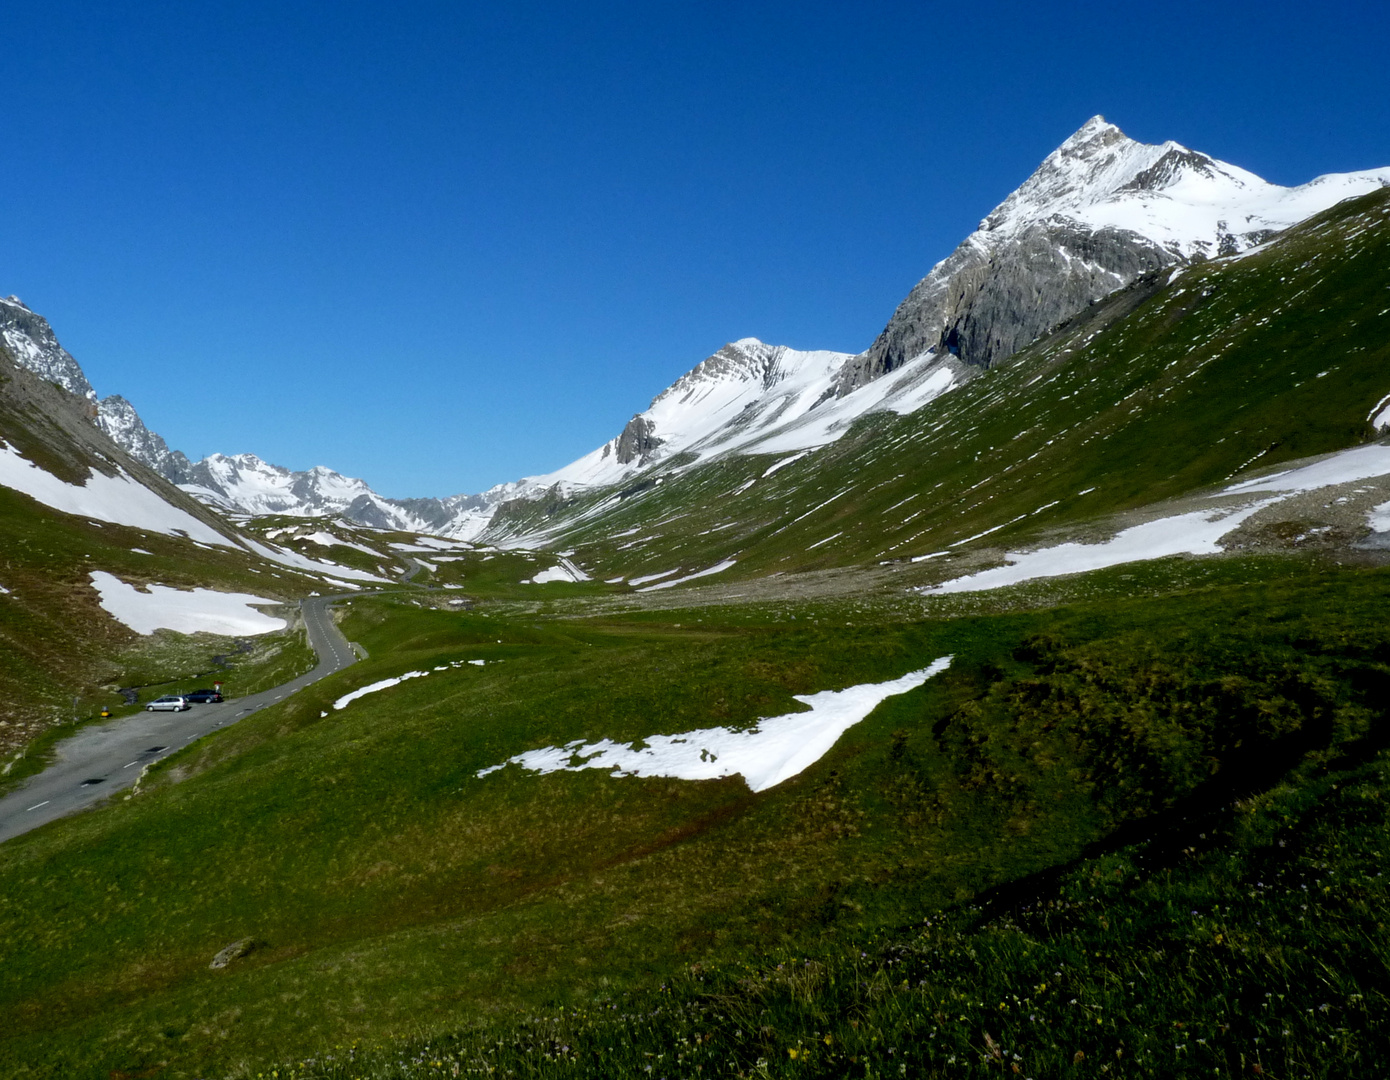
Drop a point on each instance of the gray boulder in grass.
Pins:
(234, 951)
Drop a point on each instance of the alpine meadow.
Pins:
(1008, 698)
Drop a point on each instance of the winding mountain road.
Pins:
(105, 758)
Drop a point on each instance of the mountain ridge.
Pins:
(1099, 212)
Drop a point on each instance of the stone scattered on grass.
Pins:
(235, 951)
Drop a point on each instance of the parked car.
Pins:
(203, 697)
(169, 703)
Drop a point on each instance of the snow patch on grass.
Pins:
(386, 684)
(186, 611)
(1360, 463)
(1197, 533)
(776, 749)
(321, 567)
(372, 688)
(720, 568)
(564, 570)
(117, 499)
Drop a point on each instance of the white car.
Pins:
(169, 703)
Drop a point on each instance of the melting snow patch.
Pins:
(720, 568)
(1359, 464)
(385, 684)
(775, 749)
(783, 463)
(1197, 533)
(327, 539)
(427, 544)
(654, 577)
(188, 612)
(117, 499)
(296, 561)
(562, 571)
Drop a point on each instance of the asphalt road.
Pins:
(102, 759)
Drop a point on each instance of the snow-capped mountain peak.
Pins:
(1100, 211)
(748, 398)
(1185, 201)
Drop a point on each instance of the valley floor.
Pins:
(1098, 763)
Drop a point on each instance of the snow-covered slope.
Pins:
(749, 397)
(244, 484)
(1186, 202)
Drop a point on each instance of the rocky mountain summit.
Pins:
(118, 418)
(30, 340)
(1101, 210)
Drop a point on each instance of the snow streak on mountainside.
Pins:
(1100, 210)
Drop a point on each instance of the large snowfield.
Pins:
(116, 499)
(1196, 533)
(776, 749)
(186, 611)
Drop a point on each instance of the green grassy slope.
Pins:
(389, 890)
(1247, 941)
(1159, 390)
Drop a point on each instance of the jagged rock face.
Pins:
(637, 441)
(118, 418)
(30, 340)
(983, 307)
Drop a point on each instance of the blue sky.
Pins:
(444, 245)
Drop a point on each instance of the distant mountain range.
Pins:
(1098, 213)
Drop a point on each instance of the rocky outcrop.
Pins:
(118, 418)
(983, 306)
(235, 951)
(30, 341)
(637, 441)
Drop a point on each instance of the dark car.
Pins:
(203, 697)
